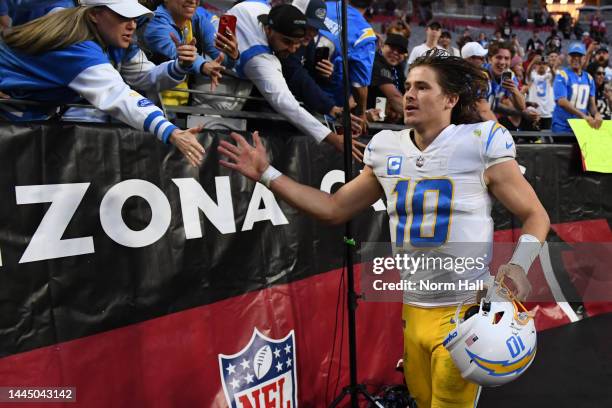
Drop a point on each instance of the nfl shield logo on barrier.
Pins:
(262, 374)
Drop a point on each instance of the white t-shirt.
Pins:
(419, 51)
(453, 51)
(541, 92)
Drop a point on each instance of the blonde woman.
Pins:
(87, 52)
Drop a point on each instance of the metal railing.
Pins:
(543, 135)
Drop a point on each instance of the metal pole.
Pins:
(348, 171)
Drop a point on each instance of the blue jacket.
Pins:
(158, 41)
(85, 70)
(361, 49)
(25, 13)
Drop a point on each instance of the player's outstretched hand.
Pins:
(186, 142)
(250, 161)
(520, 285)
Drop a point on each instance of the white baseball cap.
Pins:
(125, 8)
(473, 49)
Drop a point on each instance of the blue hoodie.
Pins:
(157, 37)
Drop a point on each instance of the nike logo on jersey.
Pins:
(509, 145)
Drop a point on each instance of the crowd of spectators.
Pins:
(289, 53)
(533, 85)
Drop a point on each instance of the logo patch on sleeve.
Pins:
(144, 102)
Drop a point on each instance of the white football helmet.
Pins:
(496, 344)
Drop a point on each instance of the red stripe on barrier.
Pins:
(172, 361)
(549, 315)
(588, 231)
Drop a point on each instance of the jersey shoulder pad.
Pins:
(381, 144)
(497, 141)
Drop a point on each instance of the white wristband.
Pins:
(526, 251)
(269, 175)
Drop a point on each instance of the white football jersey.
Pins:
(437, 201)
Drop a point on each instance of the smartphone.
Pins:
(226, 22)
(186, 36)
(381, 105)
(506, 75)
(321, 53)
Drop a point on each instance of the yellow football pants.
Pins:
(431, 376)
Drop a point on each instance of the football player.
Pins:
(437, 176)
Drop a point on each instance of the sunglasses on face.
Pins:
(600, 73)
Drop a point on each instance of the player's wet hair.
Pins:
(457, 76)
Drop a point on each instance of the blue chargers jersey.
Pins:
(496, 92)
(577, 89)
(361, 49)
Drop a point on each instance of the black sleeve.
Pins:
(381, 74)
(304, 87)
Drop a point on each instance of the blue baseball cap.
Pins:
(577, 48)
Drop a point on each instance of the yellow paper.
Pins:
(595, 145)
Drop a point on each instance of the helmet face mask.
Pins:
(496, 344)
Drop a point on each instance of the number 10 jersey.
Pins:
(438, 203)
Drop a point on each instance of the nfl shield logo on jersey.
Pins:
(262, 374)
(394, 165)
